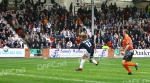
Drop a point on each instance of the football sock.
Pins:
(127, 68)
(82, 63)
(130, 64)
(95, 62)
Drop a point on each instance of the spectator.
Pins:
(63, 43)
(99, 39)
(22, 6)
(103, 6)
(58, 45)
(55, 28)
(47, 46)
(108, 15)
(71, 7)
(69, 44)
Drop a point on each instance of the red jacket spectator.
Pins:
(52, 39)
(31, 25)
(109, 43)
(78, 40)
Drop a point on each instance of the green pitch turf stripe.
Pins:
(58, 78)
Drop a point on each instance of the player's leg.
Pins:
(126, 67)
(126, 62)
(130, 55)
(82, 62)
(91, 59)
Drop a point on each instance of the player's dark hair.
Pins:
(126, 31)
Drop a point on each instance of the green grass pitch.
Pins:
(55, 70)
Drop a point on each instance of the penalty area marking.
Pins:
(57, 78)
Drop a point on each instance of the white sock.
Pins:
(95, 62)
(82, 63)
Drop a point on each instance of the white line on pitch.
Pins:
(58, 78)
(143, 72)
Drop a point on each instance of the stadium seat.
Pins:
(20, 32)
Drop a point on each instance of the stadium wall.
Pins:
(68, 53)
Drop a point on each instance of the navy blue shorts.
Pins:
(128, 55)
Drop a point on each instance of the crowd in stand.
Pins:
(7, 38)
(63, 27)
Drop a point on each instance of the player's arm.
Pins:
(127, 45)
(80, 46)
(94, 45)
(126, 48)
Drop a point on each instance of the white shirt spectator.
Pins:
(102, 32)
(38, 29)
(43, 36)
(13, 38)
(58, 46)
(148, 37)
(123, 22)
(138, 13)
(130, 20)
(69, 44)
(116, 35)
(133, 22)
(49, 25)
(67, 34)
(94, 18)
(139, 22)
(104, 27)
(95, 26)
(21, 43)
(15, 21)
(143, 20)
(34, 29)
(76, 25)
(63, 32)
(119, 24)
(13, 15)
(1, 20)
